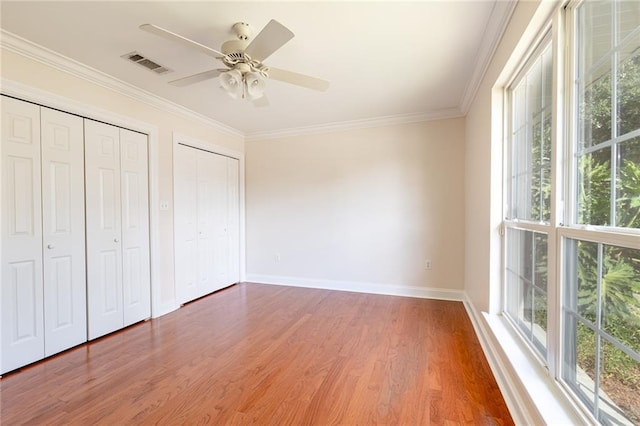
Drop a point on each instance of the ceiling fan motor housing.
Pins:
(243, 32)
(234, 46)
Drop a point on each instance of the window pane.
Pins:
(628, 17)
(628, 184)
(530, 142)
(545, 179)
(608, 61)
(602, 329)
(547, 79)
(594, 35)
(526, 283)
(621, 295)
(585, 376)
(536, 171)
(540, 319)
(628, 86)
(540, 259)
(594, 99)
(594, 180)
(534, 90)
(587, 280)
(620, 386)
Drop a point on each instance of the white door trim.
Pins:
(179, 138)
(51, 100)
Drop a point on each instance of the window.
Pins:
(601, 302)
(584, 248)
(529, 198)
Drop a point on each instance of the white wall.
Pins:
(20, 69)
(358, 207)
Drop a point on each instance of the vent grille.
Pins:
(146, 62)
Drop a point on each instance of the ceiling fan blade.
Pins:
(166, 34)
(272, 37)
(261, 102)
(298, 79)
(196, 78)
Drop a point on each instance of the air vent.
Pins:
(146, 62)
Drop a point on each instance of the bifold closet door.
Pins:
(136, 279)
(104, 249)
(43, 307)
(117, 215)
(207, 238)
(226, 252)
(65, 300)
(185, 223)
(233, 221)
(22, 289)
(206, 207)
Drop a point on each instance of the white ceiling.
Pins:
(384, 59)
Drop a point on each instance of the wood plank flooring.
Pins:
(259, 354)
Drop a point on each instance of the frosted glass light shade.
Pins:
(255, 85)
(231, 82)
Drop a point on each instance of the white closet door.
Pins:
(65, 303)
(220, 220)
(22, 294)
(206, 166)
(233, 220)
(135, 227)
(104, 252)
(206, 215)
(185, 223)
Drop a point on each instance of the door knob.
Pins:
(50, 246)
(115, 240)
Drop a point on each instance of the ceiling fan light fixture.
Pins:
(255, 85)
(232, 82)
(247, 75)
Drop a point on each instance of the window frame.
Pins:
(563, 225)
(571, 229)
(544, 40)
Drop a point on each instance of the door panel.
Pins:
(185, 223)
(22, 331)
(135, 227)
(233, 218)
(104, 247)
(219, 212)
(23, 290)
(206, 223)
(65, 301)
(60, 282)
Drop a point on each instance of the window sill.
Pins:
(533, 397)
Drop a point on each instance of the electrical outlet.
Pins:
(427, 264)
(164, 205)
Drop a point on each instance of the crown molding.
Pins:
(497, 25)
(355, 124)
(28, 49)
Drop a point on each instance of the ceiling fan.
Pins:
(245, 74)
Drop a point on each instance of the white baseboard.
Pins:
(359, 287)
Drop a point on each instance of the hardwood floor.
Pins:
(258, 354)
